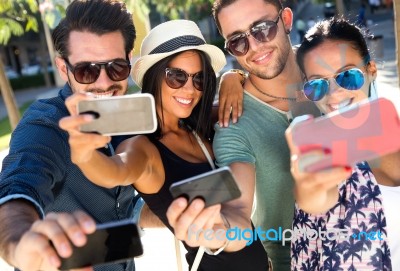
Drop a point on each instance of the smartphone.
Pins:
(111, 242)
(216, 186)
(120, 115)
(363, 131)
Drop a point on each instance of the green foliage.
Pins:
(29, 81)
(9, 27)
(52, 11)
(17, 16)
(178, 9)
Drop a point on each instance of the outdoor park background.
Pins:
(159, 242)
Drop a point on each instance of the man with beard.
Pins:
(255, 147)
(41, 190)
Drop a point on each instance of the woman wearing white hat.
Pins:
(178, 68)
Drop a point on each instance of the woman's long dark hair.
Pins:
(200, 118)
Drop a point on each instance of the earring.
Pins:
(288, 31)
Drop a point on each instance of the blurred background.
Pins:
(27, 70)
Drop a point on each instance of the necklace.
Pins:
(270, 95)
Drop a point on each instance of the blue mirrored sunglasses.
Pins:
(316, 89)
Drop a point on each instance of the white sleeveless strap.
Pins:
(204, 149)
(200, 252)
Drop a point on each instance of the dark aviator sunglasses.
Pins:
(177, 78)
(238, 45)
(351, 79)
(89, 72)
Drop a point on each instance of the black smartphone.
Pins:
(120, 115)
(216, 186)
(111, 242)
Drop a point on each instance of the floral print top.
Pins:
(350, 236)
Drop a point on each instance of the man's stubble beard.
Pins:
(280, 65)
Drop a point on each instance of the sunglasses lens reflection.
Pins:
(263, 32)
(87, 73)
(316, 89)
(177, 78)
(352, 79)
(239, 46)
(198, 81)
(118, 70)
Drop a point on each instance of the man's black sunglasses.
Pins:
(88, 72)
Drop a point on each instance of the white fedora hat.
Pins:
(172, 37)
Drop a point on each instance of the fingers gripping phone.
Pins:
(120, 115)
(364, 131)
(216, 186)
(111, 242)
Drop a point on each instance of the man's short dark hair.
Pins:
(221, 4)
(94, 16)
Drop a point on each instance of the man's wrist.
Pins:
(241, 73)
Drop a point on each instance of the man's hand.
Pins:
(83, 145)
(230, 98)
(41, 247)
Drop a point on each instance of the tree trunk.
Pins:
(340, 7)
(396, 10)
(43, 62)
(57, 78)
(8, 97)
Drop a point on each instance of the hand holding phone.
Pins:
(120, 115)
(111, 242)
(363, 131)
(216, 186)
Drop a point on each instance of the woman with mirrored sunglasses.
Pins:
(179, 69)
(339, 72)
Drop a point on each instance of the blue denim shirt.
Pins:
(38, 168)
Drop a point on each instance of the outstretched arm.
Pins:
(25, 239)
(315, 192)
(97, 167)
(199, 226)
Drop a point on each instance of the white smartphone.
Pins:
(115, 241)
(120, 115)
(216, 186)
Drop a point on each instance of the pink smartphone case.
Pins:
(364, 131)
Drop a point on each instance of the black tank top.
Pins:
(252, 257)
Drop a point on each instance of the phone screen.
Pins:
(111, 242)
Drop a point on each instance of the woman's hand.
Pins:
(83, 145)
(195, 224)
(315, 192)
